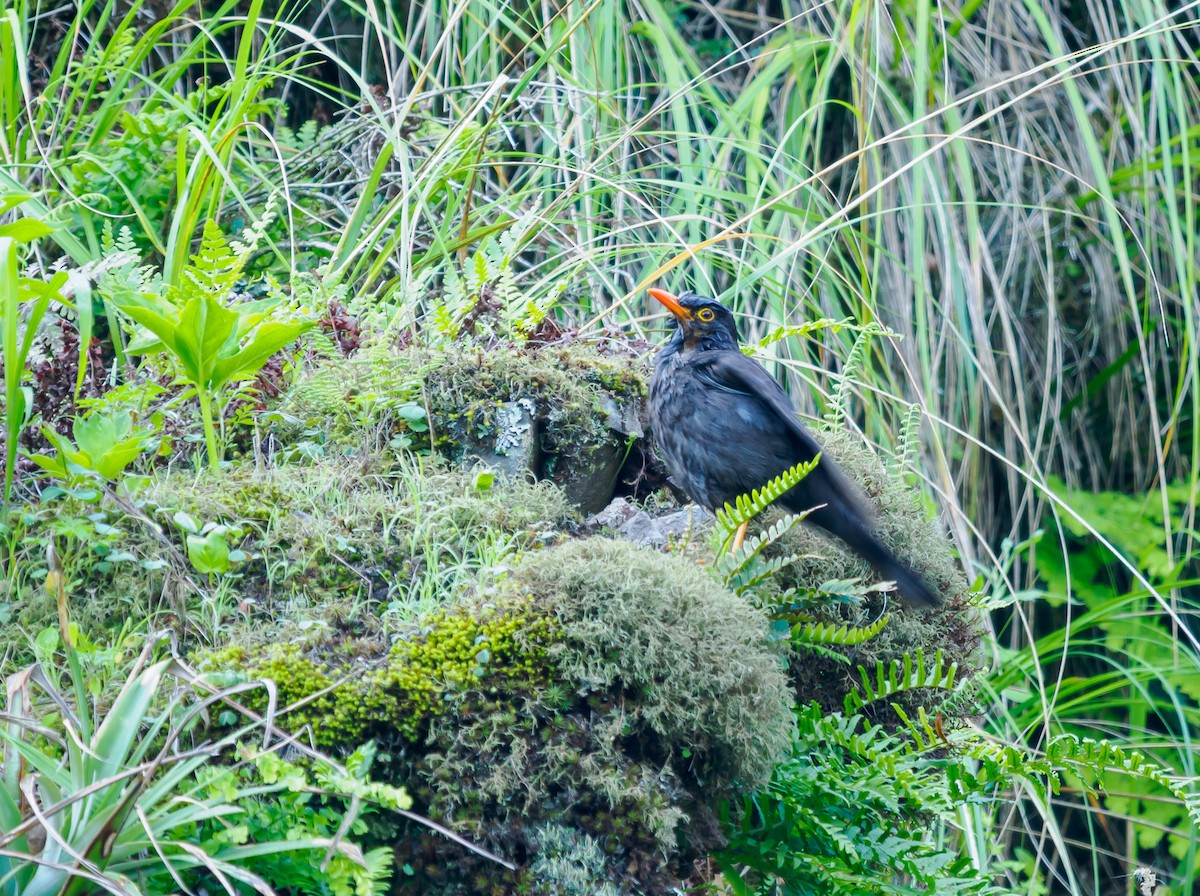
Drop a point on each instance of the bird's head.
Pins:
(704, 323)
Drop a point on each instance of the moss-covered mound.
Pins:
(583, 720)
(344, 543)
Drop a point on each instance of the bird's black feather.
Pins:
(724, 427)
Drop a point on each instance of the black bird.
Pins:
(725, 427)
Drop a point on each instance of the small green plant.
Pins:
(101, 793)
(208, 545)
(849, 813)
(105, 445)
(212, 344)
(747, 570)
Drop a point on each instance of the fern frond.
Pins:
(805, 329)
(215, 268)
(256, 232)
(906, 449)
(906, 674)
(923, 732)
(1083, 754)
(840, 401)
(842, 635)
(742, 569)
(746, 507)
(872, 746)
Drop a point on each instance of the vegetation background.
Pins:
(967, 230)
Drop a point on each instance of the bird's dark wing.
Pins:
(732, 371)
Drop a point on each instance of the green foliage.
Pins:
(731, 516)
(617, 151)
(910, 672)
(303, 803)
(850, 813)
(23, 303)
(105, 445)
(1139, 527)
(212, 344)
(112, 787)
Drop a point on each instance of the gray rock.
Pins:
(588, 473)
(618, 511)
(589, 476)
(513, 450)
(623, 416)
(656, 532)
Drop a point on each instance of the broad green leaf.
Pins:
(186, 522)
(10, 199)
(264, 342)
(205, 327)
(209, 553)
(158, 323)
(25, 230)
(114, 461)
(97, 433)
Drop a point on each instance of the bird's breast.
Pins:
(716, 443)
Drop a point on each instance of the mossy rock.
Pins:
(568, 414)
(338, 544)
(600, 701)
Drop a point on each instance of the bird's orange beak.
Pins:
(671, 303)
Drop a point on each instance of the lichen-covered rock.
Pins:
(512, 449)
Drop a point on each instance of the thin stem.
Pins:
(210, 433)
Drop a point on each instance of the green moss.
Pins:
(489, 646)
(601, 690)
(693, 661)
(339, 543)
(344, 694)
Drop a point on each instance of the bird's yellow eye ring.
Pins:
(705, 315)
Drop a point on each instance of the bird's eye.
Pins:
(705, 315)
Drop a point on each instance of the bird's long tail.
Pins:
(912, 587)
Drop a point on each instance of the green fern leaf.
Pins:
(909, 673)
(746, 507)
(841, 635)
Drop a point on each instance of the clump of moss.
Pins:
(905, 527)
(344, 695)
(692, 659)
(567, 386)
(573, 394)
(668, 696)
(339, 540)
(502, 646)
(329, 703)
